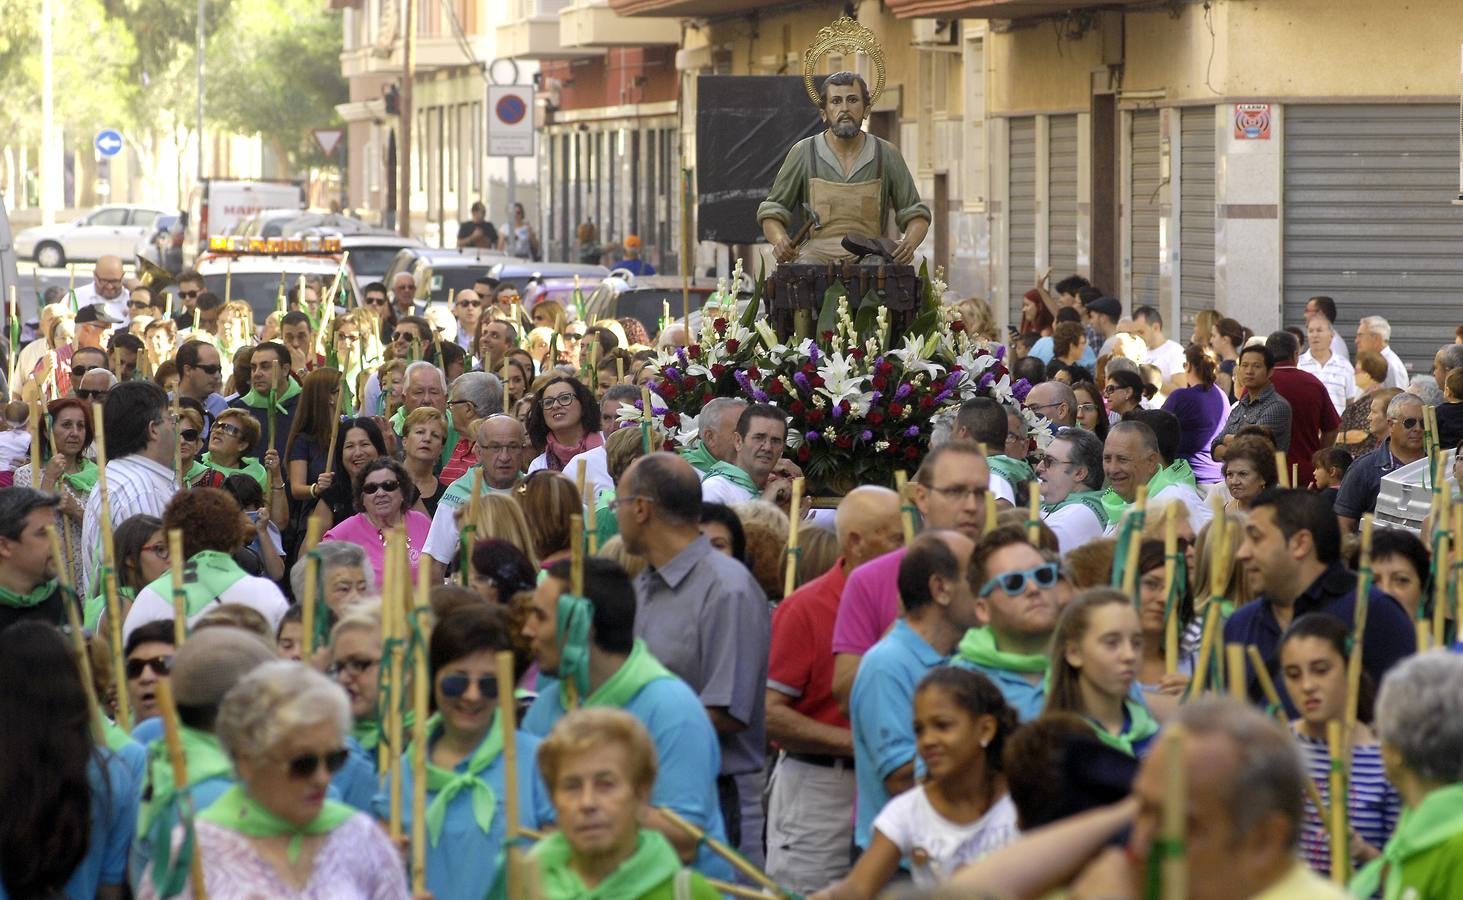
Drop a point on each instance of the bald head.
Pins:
(1055, 400)
(868, 524)
(669, 483)
(108, 277)
(499, 439)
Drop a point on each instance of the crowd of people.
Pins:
(946, 695)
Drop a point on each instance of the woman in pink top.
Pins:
(384, 496)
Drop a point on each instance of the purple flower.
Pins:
(759, 395)
(812, 437)
(801, 381)
(875, 397)
(866, 436)
(681, 355)
(1020, 389)
(952, 381)
(673, 373)
(813, 354)
(986, 381)
(1000, 351)
(743, 380)
(942, 396)
(912, 431)
(904, 391)
(837, 411)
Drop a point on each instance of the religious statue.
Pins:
(851, 182)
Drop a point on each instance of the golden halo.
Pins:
(846, 36)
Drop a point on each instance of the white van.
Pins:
(218, 204)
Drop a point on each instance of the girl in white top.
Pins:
(962, 810)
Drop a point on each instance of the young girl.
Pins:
(1096, 650)
(1160, 689)
(1313, 664)
(962, 811)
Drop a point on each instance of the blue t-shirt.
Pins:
(1026, 697)
(1044, 351)
(114, 797)
(356, 781)
(635, 266)
(686, 748)
(881, 710)
(464, 861)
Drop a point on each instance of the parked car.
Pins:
(645, 298)
(113, 230)
(266, 223)
(441, 273)
(256, 278)
(372, 253)
(520, 273)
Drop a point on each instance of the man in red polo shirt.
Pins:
(1313, 417)
(810, 811)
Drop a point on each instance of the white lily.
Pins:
(840, 382)
(915, 355)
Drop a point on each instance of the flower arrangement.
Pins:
(860, 405)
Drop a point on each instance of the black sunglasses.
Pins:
(186, 294)
(78, 371)
(187, 434)
(91, 394)
(373, 487)
(305, 765)
(454, 686)
(211, 370)
(376, 301)
(407, 336)
(160, 665)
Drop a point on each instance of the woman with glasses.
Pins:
(141, 550)
(466, 786)
(68, 473)
(190, 444)
(274, 833)
(1091, 410)
(355, 664)
(1096, 650)
(384, 496)
(232, 434)
(1124, 391)
(422, 436)
(356, 345)
(565, 420)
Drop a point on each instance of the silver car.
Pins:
(109, 230)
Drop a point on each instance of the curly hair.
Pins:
(765, 527)
(408, 488)
(56, 407)
(538, 426)
(209, 518)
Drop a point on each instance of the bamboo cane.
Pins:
(273, 400)
(990, 513)
(906, 511)
(507, 717)
(389, 633)
(14, 351)
(619, 370)
(1170, 572)
(1358, 630)
(1234, 670)
(311, 591)
(229, 280)
(396, 552)
(109, 561)
(1174, 867)
(576, 555)
(335, 424)
(1135, 541)
(1033, 513)
(790, 578)
(78, 640)
(421, 683)
(1282, 469)
(180, 599)
(36, 411)
(1272, 696)
(722, 850)
(686, 262)
(106, 517)
(179, 763)
(1443, 570)
(177, 440)
(114, 636)
(1340, 858)
(71, 280)
(1206, 649)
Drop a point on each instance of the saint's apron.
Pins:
(843, 208)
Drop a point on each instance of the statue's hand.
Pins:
(784, 250)
(904, 252)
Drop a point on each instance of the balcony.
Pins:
(593, 23)
(688, 9)
(532, 32)
(995, 9)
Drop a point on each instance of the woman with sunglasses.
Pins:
(232, 434)
(384, 496)
(141, 550)
(68, 473)
(190, 444)
(275, 833)
(1124, 391)
(465, 758)
(1096, 650)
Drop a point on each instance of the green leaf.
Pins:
(828, 315)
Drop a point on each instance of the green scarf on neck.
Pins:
(639, 669)
(82, 482)
(736, 475)
(91, 611)
(248, 465)
(367, 732)
(206, 759)
(1141, 725)
(205, 577)
(447, 784)
(1166, 477)
(261, 401)
(36, 597)
(653, 863)
(1016, 471)
(237, 811)
(1093, 500)
(1437, 819)
(700, 458)
(979, 647)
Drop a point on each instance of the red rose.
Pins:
(668, 390)
(886, 367)
(896, 409)
(815, 416)
(694, 350)
(843, 441)
(707, 397)
(732, 345)
(880, 382)
(911, 452)
(875, 417)
(719, 324)
(957, 326)
(857, 353)
(775, 387)
(927, 402)
(672, 420)
(717, 370)
(827, 336)
(804, 453)
(753, 374)
(816, 381)
(796, 408)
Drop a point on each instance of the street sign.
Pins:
(108, 143)
(510, 120)
(328, 138)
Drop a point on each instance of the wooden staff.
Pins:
(1282, 469)
(1206, 648)
(576, 587)
(1358, 630)
(327, 309)
(619, 370)
(1295, 476)
(1340, 851)
(420, 687)
(389, 633)
(195, 319)
(180, 598)
(687, 263)
(109, 560)
(990, 513)
(790, 580)
(1170, 572)
(1033, 513)
(1442, 570)
(399, 579)
(311, 591)
(335, 424)
(1174, 867)
(1234, 668)
(229, 280)
(722, 850)
(469, 528)
(180, 770)
(507, 718)
(14, 351)
(906, 510)
(71, 281)
(273, 401)
(1135, 541)
(177, 440)
(36, 411)
(78, 639)
(647, 412)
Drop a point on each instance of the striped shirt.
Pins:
(1336, 374)
(135, 486)
(1373, 804)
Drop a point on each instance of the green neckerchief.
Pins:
(261, 401)
(447, 784)
(194, 471)
(606, 525)
(36, 597)
(736, 475)
(639, 669)
(1438, 818)
(367, 732)
(1015, 471)
(248, 465)
(700, 458)
(205, 758)
(571, 633)
(979, 647)
(1141, 725)
(115, 737)
(1166, 477)
(459, 492)
(205, 577)
(398, 425)
(237, 811)
(82, 482)
(91, 611)
(653, 863)
(1093, 500)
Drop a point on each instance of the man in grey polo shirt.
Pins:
(703, 615)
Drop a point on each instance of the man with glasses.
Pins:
(95, 385)
(938, 609)
(1014, 589)
(760, 438)
(200, 375)
(28, 585)
(190, 285)
(404, 295)
(1403, 445)
(149, 660)
(140, 302)
(473, 396)
(105, 288)
(1054, 400)
(498, 442)
(1070, 472)
(467, 308)
(270, 375)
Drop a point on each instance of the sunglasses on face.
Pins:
(91, 394)
(229, 429)
(350, 666)
(210, 370)
(1013, 583)
(470, 304)
(160, 666)
(188, 294)
(189, 434)
(78, 371)
(305, 765)
(405, 337)
(138, 304)
(373, 487)
(1408, 423)
(454, 686)
(376, 301)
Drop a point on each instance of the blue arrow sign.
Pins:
(109, 142)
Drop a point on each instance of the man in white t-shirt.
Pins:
(1071, 488)
(1335, 373)
(1166, 354)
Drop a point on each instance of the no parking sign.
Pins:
(510, 120)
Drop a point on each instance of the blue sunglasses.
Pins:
(1013, 583)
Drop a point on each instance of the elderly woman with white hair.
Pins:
(1420, 723)
(274, 833)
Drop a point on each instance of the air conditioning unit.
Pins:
(934, 32)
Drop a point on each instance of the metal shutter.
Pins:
(1369, 219)
(1021, 237)
(1062, 196)
(1196, 215)
(1143, 210)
